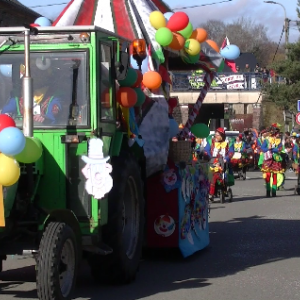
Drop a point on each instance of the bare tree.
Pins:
(247, 34)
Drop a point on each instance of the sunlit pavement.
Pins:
(254, 255)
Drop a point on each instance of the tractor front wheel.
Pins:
(57, 262)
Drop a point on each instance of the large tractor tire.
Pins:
(57, 263)
(125, 227)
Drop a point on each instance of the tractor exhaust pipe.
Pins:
(27, 89)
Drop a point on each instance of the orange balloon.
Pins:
(177, 42)
(213, 45)
(139, 79)
(105, 99)
(126, 96)
(152, 80)
(199, 34)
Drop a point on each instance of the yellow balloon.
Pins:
(192, 47)
(157, 19)
(9, 170)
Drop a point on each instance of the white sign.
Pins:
(298, 118)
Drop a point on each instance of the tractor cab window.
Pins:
(60, 96)
(107, 103)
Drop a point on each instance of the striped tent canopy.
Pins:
(126, 18)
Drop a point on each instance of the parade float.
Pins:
(97, 149)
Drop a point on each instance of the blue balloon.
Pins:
(12, 141)
(174, 128)
(6, 70)
(42, 21)
(168, 15)
(134, 64)
(230, 52)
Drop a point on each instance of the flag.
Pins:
(230, 63)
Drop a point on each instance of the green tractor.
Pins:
(59, 85)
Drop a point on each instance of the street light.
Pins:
(286, 25)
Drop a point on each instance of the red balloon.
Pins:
(127, 96)
(178, 21)
(6, 121)
(139, 79)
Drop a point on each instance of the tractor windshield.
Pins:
(60, 96)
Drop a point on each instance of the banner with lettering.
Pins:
(195, 81)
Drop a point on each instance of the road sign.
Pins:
(298, 118)
(298, 105)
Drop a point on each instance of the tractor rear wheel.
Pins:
(57, 263)
(125, 227)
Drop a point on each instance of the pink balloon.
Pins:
(178, 21)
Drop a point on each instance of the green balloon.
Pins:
(221, 67)
(200, 130)
(187, 31)
(164, 36)
(32, 152)
(141, 97)
(191, 59)
(130, 79)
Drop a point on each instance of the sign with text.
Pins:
(195, 81)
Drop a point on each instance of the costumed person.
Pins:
(295, 155)
(263, 135)
(272, 164)
(218, 147)
(285, 154)
(240, 156)
(46, 103)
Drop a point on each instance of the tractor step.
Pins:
(102, 250)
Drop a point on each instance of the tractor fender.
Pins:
(65, 216)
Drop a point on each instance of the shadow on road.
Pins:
(236, 245)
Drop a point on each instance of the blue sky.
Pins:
(272, 16)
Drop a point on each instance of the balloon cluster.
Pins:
(130, 94)
(174, 30)
(14, 148)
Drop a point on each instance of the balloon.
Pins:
(6, 121)
(221, 66)
(178, 21)
(199, 34)
(127, 97)
(190, 59)
(139, 79)
(141, 97)
(152, 80)
(157, 19)
(32, 152)
(12, 141)
(174, 128)
(42, 21)
(200, 130)
(187, 31)
(130, 79)
(105, 98)
(213, 44)
(168, 15)
(177, 42)
(135, 66)
(192, 47)
(9, 170)
(164, 36)
(6, 70)
(230, 52)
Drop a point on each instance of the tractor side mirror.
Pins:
(122, 66)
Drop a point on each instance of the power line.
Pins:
(194, 6)
(272, 59)
(54, 4)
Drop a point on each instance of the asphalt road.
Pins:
(254, 255)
